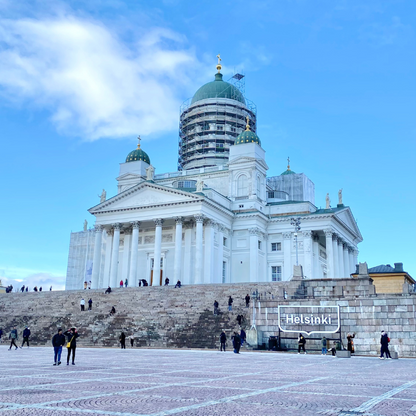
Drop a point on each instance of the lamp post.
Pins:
(296, 223)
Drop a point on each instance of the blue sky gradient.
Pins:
(334, 83)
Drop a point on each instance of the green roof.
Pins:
(288, 172)
(138, 154)
(247, 137)
(218, 89)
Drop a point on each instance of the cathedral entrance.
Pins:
(152, 263)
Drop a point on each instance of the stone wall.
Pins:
(168, 317)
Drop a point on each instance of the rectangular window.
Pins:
(259, 244)
(224, 270)
(276, 273)
(220, 127)
(224, 241)
(276, 246)
(233, 129)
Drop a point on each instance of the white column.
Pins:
(187, 256)
(134, 253)
(198, 248)
(126, 256)
(107, 262)
(346, 261)
(287, 256)
(341, 257)
(177, 275)
(220, 254)
(351, 259)
(307, 254)
(316, 270)
(335, 254)
(96, 262)
(157, 252)
(254, 254)
(329, 254)
(114, 255)
(209, 266)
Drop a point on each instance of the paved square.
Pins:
(117, 382)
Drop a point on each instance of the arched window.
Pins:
(242, 186)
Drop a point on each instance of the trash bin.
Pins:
(338, 345)
(273, 343)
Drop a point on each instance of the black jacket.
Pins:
(58, 340)
(223, 337)
(69, 335)
(384, 340)
(26, 333)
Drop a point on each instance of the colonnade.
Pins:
(206, 269)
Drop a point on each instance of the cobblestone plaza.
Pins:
(191, 382)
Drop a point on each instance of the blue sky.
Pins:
(334, 83)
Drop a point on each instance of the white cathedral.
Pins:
(219, 218)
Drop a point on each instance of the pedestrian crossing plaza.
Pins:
(161, 382)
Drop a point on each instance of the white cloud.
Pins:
(94, 84)
(17, 277)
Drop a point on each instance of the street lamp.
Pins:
(296, 223)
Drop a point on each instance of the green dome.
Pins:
(138, 154)
(247, 137)
(288, 172)
(218, 89)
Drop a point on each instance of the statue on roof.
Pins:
(103, 196)
(328, 202)
(199, 185)
(150, 173)
(85, 225)
(340, 197)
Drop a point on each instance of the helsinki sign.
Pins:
(309, 319)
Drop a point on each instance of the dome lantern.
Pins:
(138, 154)
(247, 136)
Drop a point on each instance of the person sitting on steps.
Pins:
(113, 311)
(108, 290)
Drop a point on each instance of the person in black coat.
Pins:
(223, 340)
(26, 335)
(58, 341)
(236, 343)
(384, 341)
(71, 335)
(122, 340)
(301, 343)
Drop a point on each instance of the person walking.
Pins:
(89, 304)
(236, 343)
(301, 343)
(1, 334)
(85, 285)
(131, 338)
(243, 336)
(126, 282)
(71, 335)
(122, 340)
(26, 335)
(13, 338)
(216, 304)
(89, 284)
(82, 304)
(247, 298)
(223, 340)
(121, 283)
(350, 343)
(58, 341)
(384, 341)
(324, 348)
(230, 303)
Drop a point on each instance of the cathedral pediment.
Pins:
(146, 194)
(347, 219)
(128, 176)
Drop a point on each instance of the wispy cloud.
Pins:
(94, 84)
(31, 278)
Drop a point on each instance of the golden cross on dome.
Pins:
(248, 124)
(288, 163)
(219, 63)
(138, 144)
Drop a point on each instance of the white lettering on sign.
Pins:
(309, 319)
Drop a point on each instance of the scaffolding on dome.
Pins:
(207, 130)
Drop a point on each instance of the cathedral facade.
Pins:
(219, 218)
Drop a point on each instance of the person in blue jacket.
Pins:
(58, 341)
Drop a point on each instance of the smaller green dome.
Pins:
(138, 154)
(247, 137)
(288, 172)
